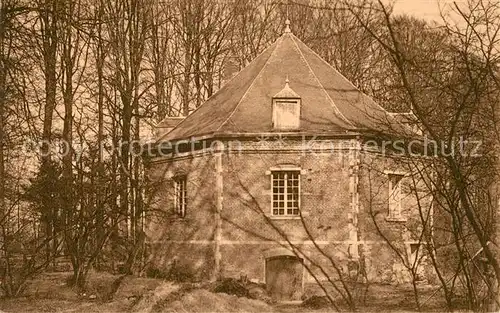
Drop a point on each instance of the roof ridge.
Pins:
(335, 108)
(215, 93)
(342, 75)
(278, 41)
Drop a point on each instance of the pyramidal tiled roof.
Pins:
(330, 103)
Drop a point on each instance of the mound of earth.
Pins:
(201, 300)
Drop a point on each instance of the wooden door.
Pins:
(284, 278)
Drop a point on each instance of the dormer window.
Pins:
(286, 109)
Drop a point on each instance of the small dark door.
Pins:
(284, 278)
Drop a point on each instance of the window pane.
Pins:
(285, 190)
(180, 195)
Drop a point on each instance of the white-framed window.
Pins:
(285, 192)
(395, 195)
(180, 195)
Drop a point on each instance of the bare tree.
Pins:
(128, 31)
(255, 28)
(46, 35)
(161, 52)
(451, 101)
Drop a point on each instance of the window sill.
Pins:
(395, 219)
(281, 217)
(287, 217)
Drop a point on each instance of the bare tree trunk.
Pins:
(100, 56)
(188, 28)
(67, 90)
(49, 17)
(3, 75)
(124, 156)
(159, 44)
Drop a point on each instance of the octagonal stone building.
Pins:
(279, 178)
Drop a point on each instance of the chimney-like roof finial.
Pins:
(287, 92)
(287, 27)
(287, 22)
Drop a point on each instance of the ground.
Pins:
(49, 293)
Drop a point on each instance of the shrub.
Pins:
(316, 302)
(232, 286)
(154, 272)
(180, 272)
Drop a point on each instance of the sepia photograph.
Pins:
(249, 156)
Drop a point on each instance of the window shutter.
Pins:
(286, 114)
(395, 195)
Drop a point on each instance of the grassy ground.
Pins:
(49, 293)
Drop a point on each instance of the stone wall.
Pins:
(188, 241)
(376, 228)
(342, 190)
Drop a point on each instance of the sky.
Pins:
(427, 9)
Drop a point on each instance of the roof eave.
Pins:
(223, 135)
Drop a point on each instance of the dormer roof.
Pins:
(286, 92)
